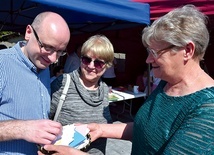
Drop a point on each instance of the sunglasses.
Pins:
(98, 64)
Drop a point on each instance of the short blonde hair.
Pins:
(101, 46)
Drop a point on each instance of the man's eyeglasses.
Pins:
(155, 54)
(98, 64)
(47, 48)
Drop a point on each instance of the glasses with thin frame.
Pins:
(155, 54)
(98, 64)
(47, 48)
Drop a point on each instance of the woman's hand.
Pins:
(95, 131)
(116, 131)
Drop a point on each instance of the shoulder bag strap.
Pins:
(62, 97)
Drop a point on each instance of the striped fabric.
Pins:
(23, 94)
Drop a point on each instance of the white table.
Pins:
(127, 97)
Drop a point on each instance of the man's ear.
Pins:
(28, 32)
(189, 51)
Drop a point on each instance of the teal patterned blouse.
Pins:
(175, 125)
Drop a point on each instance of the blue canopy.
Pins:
(81, 15)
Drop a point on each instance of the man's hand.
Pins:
(62, 150)
(35, 131)
(41, 131)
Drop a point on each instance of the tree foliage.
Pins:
(4, 34)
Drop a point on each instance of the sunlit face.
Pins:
(92, 70)
(44, 47)
(167, 63)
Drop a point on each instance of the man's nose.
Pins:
(53, 57)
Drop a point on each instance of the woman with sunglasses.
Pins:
(87, 97)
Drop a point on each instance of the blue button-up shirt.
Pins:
(24, 95)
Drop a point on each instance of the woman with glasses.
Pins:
(87, 97)
(178, 117)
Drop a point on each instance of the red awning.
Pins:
(160, 7)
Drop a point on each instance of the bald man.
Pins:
(25, 85)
